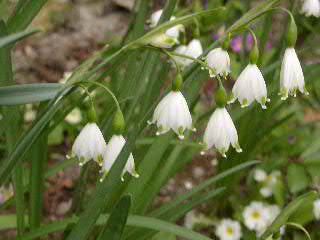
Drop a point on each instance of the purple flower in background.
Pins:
(249, 42)
(236, 44)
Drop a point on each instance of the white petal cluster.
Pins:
(221, 132)
(250, 86)
(291, 76)
(218, 61)
(114, 148)
(229, 230)
(316, 209)
(311, 8)
(259, 216)
(193, 49)
(173, 32)
(268, 182)
(89, 144)
(173, 113)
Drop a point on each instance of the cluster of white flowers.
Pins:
(268, 181)
(258, 216)
(229, 229)
(90, 145)
(311, 8)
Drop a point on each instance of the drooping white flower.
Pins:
(268, 181)
(316, 209)
(172, 32)
(74, 117)
(194, 49)
(229, 230)
(256, 217)
(173, 113)
(311, 8)
(89, 144)
(114, 148)
(221, 132)
(219, 62)
(291, 76)
(162, 41)
(250, 86)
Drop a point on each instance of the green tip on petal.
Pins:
(223, 152)
(82, 161)
(244, 103)
(103, 176)
(284, 94)
(238, 148)
(306, 92)
(135, 174)
(100, 160)
(180, 133)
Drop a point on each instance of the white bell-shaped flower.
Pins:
(114, 148)
(173, 113)
(311, 8)
(194, 49)
(173, 32)
(162, 41)
(221, 132)
(218, 61)
(89, 144)
(250, 86)
(291, 76)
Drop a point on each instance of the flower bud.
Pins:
(292, 33)
(254, 55)
(221, 97)
(118, 123)
(177, 83)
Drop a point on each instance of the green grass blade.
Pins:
(133, 221)
(24, 17)
(117, 220)
(13, 38)
(176, 202)
(288, 211)
(28, 93)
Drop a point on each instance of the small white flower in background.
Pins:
(250, 86)
(162, 41)
(316, 209)
(219, 62)
(311, 8)
(221, 132)
(173, 32)
(114, 148)
(30, 114)
(268, 181)
(89, 144)
(6, 192)
(74, 117)
(291, 76)
(229, 230)
(260, 175)
(194, 49)
(256, 217)
(66, 76)
(172, 112)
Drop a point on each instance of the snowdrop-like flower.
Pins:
(74, 117)
(256, 216)
(89, 144)
(291, 76)
(268, 181)
(221, 132)
(194, 49)
(173, 113)
(316, 209)
(173, 32)
(229, 230)
(218, 61)
(114, 148)
(311, 8)
(250, 86)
